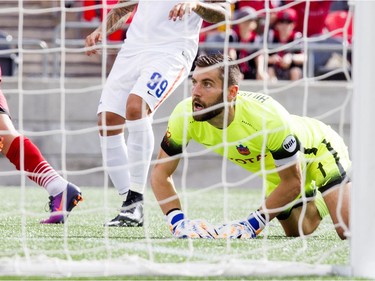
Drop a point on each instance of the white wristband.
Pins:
(175, 216)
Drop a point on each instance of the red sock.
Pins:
(40, 171)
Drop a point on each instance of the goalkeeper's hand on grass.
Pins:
(181, 227)
(244, 229)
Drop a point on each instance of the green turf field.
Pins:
(84, 238)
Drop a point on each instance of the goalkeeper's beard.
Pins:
(200, 117)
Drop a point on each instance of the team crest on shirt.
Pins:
(243, 150)
(167, 136)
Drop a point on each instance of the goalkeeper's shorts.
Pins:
(329, 166)
(326, 168)
(319, 203)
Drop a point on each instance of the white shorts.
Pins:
(152, 76)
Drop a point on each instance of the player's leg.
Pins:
(304, 215)
(140, 145)
(337, 199)
(160, 76)
(115, 157)
(25, 155)
(114, 150)
(111, 121)
(140, 141)
(331, 179)
(301, 220)
(7, 138)
(133, 95)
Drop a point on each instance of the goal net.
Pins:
(53, 91)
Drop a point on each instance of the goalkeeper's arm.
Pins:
(288, 189)
(162, 182)
(165, 193)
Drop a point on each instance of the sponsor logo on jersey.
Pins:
(167, 136)
(290, 143)
(250, 160)
(244, 150)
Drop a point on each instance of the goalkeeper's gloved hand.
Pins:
(248, 228)
(182, 227)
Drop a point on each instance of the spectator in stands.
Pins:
(246, 31)
(217, 35)
(261, 7)
(317, 13)
(339, 5)
(7, 61)
(207, 28)
(258, 4)
(340, 26)
(156, 57)
(24, 155)
(285, 65)
(340, 20)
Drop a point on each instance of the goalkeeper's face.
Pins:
(207, 94)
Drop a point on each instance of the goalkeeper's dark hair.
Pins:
(234, 73)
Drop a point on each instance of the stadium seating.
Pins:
(7, 61)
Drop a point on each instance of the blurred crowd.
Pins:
(267, 36)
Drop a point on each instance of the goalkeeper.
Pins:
(305, 161)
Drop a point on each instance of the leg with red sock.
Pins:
(64, 196)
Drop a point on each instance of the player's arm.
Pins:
(119, 15)
(165, 193)
(115, 20)
(285, 193)
(162, 182)
(210, 11)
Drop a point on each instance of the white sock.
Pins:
(56, 186)
(140, 147)
(115, 156)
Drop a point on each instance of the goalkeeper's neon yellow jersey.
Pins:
(262, 133)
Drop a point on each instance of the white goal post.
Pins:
(363, 131)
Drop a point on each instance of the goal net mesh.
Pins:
(53, 94)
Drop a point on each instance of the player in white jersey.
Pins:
(160, 47)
